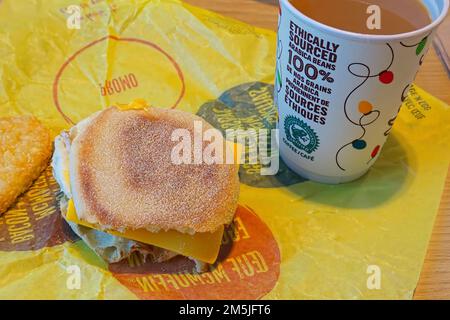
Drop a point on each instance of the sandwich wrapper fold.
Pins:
(325, 241)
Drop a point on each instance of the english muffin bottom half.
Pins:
(123, 191)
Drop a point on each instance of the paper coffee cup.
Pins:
(339, 93)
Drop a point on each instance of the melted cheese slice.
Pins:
(202, 246)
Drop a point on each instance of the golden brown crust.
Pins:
(25, 150)
(122, 175)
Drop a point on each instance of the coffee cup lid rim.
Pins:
(372, 37)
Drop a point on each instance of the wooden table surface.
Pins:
(435, 279)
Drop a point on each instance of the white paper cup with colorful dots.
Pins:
(338, 93)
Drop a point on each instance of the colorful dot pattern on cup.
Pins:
(421, 46)
(386, 77)
(359, 144)
(365, 107)
(375, 151)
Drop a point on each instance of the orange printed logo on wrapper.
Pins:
(248, 267)
(134, 68)
(35, 221)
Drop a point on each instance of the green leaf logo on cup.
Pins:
(300, 134)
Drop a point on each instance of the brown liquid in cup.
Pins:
(397, 16)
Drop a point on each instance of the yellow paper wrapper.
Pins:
(291, 238)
